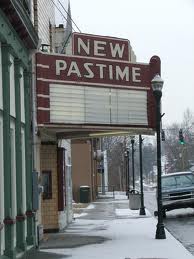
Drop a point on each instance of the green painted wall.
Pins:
(11, 44)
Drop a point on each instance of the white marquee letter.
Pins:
(88, 69)
(97, 48)
(101, 66)
(60, 65)
(84, 46)
(74, 69)
(117, 49)
(111, 72)
(135, 73)
(121, 74)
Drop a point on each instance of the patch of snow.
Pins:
(78, 215)
(90, 207)
(131, 213)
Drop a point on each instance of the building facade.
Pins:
(85, 167)
(43, 16)
(17, 41)
(52, 156)
(56, 205)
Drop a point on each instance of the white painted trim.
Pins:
(2, 239)
(91, 84)
(22, 96)
(1, 85)
(43, 95)
(42, 66)
(23, 177)
(12, 87)
(100, 36)
(85, 57)
(43, 109)
(13, 176)
(94, 58)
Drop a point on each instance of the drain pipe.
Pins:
(34, 139)
(34, 117)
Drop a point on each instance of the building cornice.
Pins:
(18, 15)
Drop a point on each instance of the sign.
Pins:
(87, 71)
(96, 85)
(86, 45)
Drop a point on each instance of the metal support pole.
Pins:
(142, 208)
(160, 232)
(103, 182)
(133, 169)
(127, 182)
(102, 168)
(126, 173)
(128, 177)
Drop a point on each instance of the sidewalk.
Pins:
(108, 229)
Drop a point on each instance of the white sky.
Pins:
(154, 27)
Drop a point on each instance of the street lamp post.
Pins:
(127, 171)
(133, 151)
(142, 208)
(157, 84)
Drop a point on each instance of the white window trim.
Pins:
(1, 186)
(23, 177)
(1, 87)
(13, 175)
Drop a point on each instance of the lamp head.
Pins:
(127, 152)
(132, 139)
(157, 83)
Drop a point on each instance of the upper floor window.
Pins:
(26, 4)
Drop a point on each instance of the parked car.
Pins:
(177, 191)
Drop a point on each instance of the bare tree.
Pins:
(116, 147)
(180, 156)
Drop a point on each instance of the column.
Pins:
(30, 239)
(20, 218)
(9, 221)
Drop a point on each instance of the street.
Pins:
(178, 222)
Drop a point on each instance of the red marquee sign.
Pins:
(100, 47)
(97, 61)
(87, 71)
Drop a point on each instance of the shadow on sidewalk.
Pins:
(35, 254)
(66, 240)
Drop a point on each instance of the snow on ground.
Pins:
(90, 207)
(131, 213)
(129, 238)
(82, 213)
(77, 215)
(132, 237)
(180, 212)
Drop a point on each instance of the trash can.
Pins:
(84, 194)
(134, 200)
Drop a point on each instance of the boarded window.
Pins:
(61, 178)
(47, 184)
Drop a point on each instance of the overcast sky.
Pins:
(154, 27)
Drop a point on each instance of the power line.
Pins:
(69, 16)
(60, 12)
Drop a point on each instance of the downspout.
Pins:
(34, 144)
(34, 117)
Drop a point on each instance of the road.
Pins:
(180, 223)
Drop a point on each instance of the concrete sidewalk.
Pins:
(109, 229)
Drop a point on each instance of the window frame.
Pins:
(47, 192)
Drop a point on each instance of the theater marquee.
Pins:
(97, 85)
